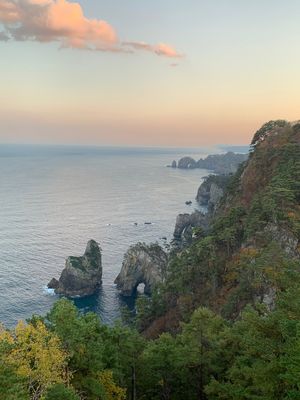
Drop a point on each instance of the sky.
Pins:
(146, 73)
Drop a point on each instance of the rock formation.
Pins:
(219, 163)
(287, 240)
(187, 163)
(211, 191)
(141, 264)
(82, 276)
(186, 222)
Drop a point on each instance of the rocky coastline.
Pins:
(142, 263)
(218, 163)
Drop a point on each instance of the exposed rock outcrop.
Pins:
(142, 264)
(286, 239)
(81, 276)
(211, 191)
(174, 164)
(185, 224)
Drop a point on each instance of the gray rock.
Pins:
(82, 276)
(187, 163)
(53, 284)
(186, 222)
(211, 191)
(286, 239)
(142, 264)
(174, 164)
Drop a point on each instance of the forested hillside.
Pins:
(225, 324)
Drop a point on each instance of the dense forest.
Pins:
(225, 324)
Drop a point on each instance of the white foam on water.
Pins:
(48, 291)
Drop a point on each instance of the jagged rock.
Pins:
(187, 163)
(142, 264)
(267, 298)
(211, 191)
(53, 284)
(186, 222)
(286, 239)
(174, 164)
(81, 276)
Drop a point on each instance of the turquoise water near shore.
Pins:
(54, 199)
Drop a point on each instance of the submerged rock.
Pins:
(142, 264)
(82, 276)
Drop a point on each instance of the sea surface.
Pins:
(54, 199)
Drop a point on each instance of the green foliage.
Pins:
(265, 354)
(61, 392)
(12, 386)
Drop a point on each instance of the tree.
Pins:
(201, 354)
(161, 373)
(37, 356)
(61, 392)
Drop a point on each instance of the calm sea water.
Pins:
(54, 199)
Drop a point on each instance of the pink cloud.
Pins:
(9, 12)
(60, 20)
(64, 22)
(160, 49)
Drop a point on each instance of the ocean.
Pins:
(55, 198)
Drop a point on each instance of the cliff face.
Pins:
(212, 190)
(82, 276)
(209, 195)
(142, 264)
(252, 239)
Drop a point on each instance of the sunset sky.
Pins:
(146, 73)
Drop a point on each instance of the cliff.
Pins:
(252, 238)
(212, 190)
(82, 276)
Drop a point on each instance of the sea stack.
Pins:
(142, 264)
(82, 276)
